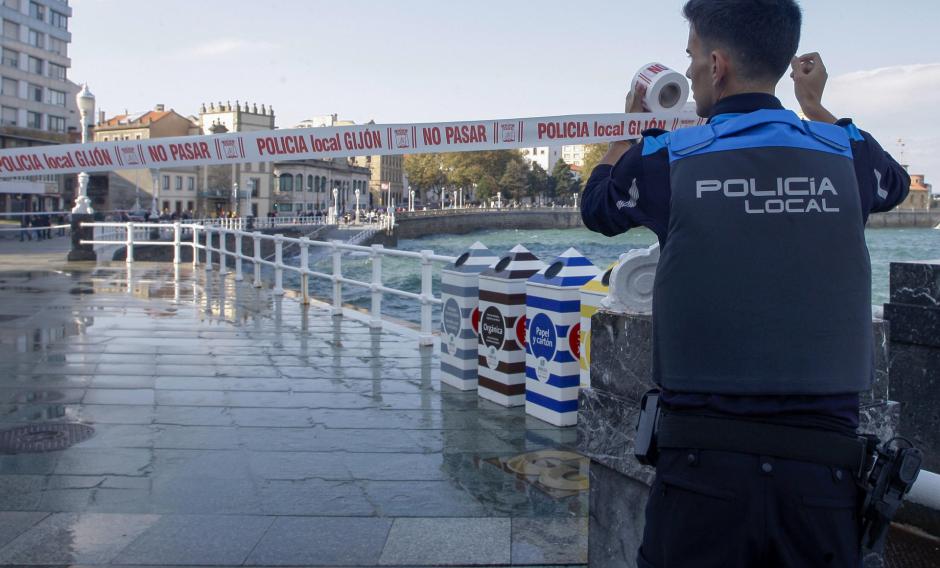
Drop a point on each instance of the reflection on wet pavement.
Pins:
(215, 401)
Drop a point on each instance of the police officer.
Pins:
(761, 310)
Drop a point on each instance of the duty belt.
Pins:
(787, 442)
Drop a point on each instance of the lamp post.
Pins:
(235, 199)
(357, 205)
(411, 202)
(155, 201)
(86, 107)
(335, 206)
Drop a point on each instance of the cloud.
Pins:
(899, 102)
(225, 46)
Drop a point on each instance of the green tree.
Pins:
(425, 172)
(486, 188)
(592, 156)
(515, 180)
(563, 180)
(539, 182)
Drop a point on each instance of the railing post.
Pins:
(426, 296)
(209, 232)
(279, 265)
(176, 242)
(376, 321)
(195, 230)
(337, 310)
(256, 236)
(304, 266)
(129, 243)
(238, 256)
(223, 269)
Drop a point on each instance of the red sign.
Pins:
(475, 320)
(520, 330)
(574, 340)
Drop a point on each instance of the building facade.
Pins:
(305, 187)
(573, 154)
(177, 188)
(387, 173)
(247, 189)
(544, 156)
(919, 198)
(37, 100)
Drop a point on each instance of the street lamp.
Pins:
(357, 205)
(155, 201)
(235, 199)
(86, 107)
(335, 206)
(411, 202)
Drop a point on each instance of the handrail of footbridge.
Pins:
(133, 234)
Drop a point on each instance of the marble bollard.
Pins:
(79, 234)
(607, 411)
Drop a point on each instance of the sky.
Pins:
(441, 60)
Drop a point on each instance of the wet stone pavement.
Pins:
(233, 427)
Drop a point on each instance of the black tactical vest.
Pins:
(764, 281)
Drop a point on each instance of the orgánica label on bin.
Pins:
(492, 333)
(542, 343)
(450, 320)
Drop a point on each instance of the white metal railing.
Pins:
(212, 241)
(243, 223)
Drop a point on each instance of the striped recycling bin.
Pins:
(591, 295)
(553, 315)
(459, 316)
(501, 347)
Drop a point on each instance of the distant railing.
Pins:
(212, 241)
(480, 211)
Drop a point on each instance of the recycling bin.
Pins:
(459, 316)
(553, 319)
(501, 346)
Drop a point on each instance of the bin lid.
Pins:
(600, 284)
(475, 259)
(569, 269)
(519, 264)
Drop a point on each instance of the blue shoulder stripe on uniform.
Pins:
(853, 132)
(654, 144)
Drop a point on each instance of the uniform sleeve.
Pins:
(883, 182)
(616, 198)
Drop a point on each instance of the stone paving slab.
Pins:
(217, 403)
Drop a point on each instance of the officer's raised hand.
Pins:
(618, 148)
(809, 81)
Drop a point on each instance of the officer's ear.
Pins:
(720, 67)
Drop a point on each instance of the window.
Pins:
(54, 97)
(179, 183)
(137, 137)
(10, 88)
(56, 71)
(287, 182)
(298, 182)
(189, 206)
(11, 30)
(11, 58)
(57, 45)
(191, 184)
(34, 92)
(166, 182)
(36, 38)
(8, 116)
(248, 167)
(33, 120)
(57, 123)
(37, 11)
(254, 184)
(316, 183)
(12, 4)
(262, 167)
(323, 184)
(309, 183)
(35, 65)
(59, 20)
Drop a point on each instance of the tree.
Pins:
(486, 188)
(592, 156)
(563, 179)
(425, 172)
(539, 182)
(515, 180)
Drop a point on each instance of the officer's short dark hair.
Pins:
(762, 35)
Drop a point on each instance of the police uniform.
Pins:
(761, 328)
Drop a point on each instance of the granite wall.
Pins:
(607, 412)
